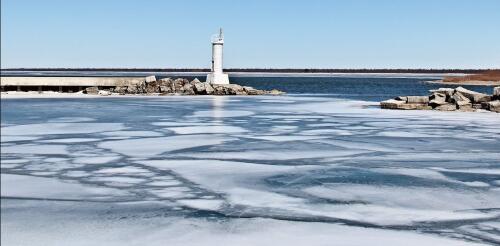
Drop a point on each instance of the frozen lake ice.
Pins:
(288, 170)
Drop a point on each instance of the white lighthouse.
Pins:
(217, 76)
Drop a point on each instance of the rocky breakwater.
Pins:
(447, 99)
(180, 86)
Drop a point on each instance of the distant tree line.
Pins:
(260, 70)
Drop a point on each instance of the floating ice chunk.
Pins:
(150, 147)
(172, 192)
(95, 159)
(7, 166)
(117, 179)
(485, 171)
(202, 204)
(14, 161)
(277, 101)
(22, 186)
(6, 139)
(415, 172)
(404, 134)
(207, 129)
(170, 123)
(476, 184)
(60, 128)
(72, 119)
(222, 113)
(71, 140)
(338, 132)
(285, 138)
(165, 183)
(36, 149)
(76, 174)
(122, 170)
(132, 134)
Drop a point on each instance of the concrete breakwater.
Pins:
(447, 99)
(127, 85)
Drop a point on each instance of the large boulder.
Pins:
(132, 89)
(391, 104)
(140, 87)
(203, 88)
(152, 87)
(417, 99)
(459, 99)
(465, 107)
(399, 104)
(251, 91)
(231, 89)
(165, 89)
(178, 85)
(493, 106)
(446, 91)
(121, 90)
(150, 79)
(92, 90)
(437, 99)
(195, 80)
(187, 89)
(104, 93)
(446, 107)
(474, 96)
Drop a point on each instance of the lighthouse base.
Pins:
(218, 78)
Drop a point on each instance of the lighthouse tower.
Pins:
(217, 76)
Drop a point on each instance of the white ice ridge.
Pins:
(178, 231)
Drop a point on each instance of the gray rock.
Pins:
(437, 99)
(446, 107)
(398, 104)
(165, 89)
(275, 92)
(132, 89)
(104, 93)
(121, 89)
(195, 80)
(493, 106)
(477, 106)
(251, 91)
(187, 89)
(203, 88)
(465, 107)
(150, 79)
(401, 98)
(417, 99)
(446, 91)
(475, 97)
(459, 99)
(92, 90)
(391, 104)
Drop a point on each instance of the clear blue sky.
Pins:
(259, 33)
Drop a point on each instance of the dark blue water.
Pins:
(367, 89)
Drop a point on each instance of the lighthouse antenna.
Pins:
(221, 36)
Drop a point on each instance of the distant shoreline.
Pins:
(251, 70)
(470, 82)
